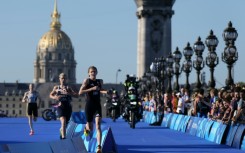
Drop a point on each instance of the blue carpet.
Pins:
(142, 139)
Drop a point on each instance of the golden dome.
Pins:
(55, 38)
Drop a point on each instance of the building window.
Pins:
(59, 56)
(7, 99)
(0, 99)
(0, 105)
(68, 56)
(20, 105)
(13, 105)
(7, 105)
(50, 56)
(13, 111)
(20, 112)
(13, 99)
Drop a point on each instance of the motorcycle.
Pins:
(114, 109)
(50, 113)
(131, 111)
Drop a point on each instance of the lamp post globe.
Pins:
(176, 67)
(230, 54)
(198, 62)
(212, 59)
(230, 34)
(187, 65)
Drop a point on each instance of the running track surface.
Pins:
(142, 139)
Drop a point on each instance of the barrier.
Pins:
(243, 143)
(238, 136)
(151, 117)
(220, 134)
(193, 126)
(173, 119)
(201, 128)
(213, 131)
(184, 123)
(166, 120)
(177, 122)
(231, 133)
(189, 125)
(207, 129)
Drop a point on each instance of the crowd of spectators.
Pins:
(224, 105)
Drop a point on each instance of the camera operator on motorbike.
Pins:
(113, 104)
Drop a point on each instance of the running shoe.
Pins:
(98, 149)
(31, 132)
(86, 132)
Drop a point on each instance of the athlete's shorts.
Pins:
(92, 110)
(64, 111)
(32, 109)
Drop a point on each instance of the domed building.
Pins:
(55, 54)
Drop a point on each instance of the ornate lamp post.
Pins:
(158, 69)
(176, 67)
(187, 65)
(212, 60)
(198, 63)
(230, 54)
(169, 71)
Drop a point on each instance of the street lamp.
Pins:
(230, 54)
(212, 59)
(158, 69)
(198, 63)
(169, 71)
(176, 67)
(119, 70)
(187, 65)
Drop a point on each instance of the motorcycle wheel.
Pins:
(47, 114)
(132, 120)
(113, 115)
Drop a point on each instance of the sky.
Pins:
(104, 34)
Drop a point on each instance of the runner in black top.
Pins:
(92, 87)
(63, 93)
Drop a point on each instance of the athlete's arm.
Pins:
(102, 90)
(83, 87)
(24, 97)
(53, 93)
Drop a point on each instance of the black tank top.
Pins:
(93, 96)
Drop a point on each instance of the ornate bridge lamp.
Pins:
(230, 54)
(212, 60)
(187, 65)
(169, 71)
(176, 67)
(198, 63)
(158, 69)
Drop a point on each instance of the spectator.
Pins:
(201, 106)
(181, 104)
